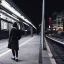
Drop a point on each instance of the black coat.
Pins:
(13, 39)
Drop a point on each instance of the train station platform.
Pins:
(29, 52)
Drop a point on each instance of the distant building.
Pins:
(58, 23)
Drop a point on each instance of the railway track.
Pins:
(57, 51)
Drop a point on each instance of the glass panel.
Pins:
(4, 25)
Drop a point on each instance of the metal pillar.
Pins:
(42, 27)
(31, 31)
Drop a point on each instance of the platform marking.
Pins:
(49, 53)
(19, 46)
(27, 41)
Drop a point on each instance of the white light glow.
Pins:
(10, 8)
(9, 15)
(26, 30)
(25, 23)
(49, 26)
(53, 29)
(34, 27)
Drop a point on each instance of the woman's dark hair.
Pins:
(15, 25)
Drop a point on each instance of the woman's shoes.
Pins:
(13, 58)
(16, 59)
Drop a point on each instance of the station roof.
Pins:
(32, 10)
(17, 10)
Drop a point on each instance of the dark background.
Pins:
(33, 9)
(53, 6)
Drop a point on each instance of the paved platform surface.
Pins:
(28, 52)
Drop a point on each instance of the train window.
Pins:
(4, 25)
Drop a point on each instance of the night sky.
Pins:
(32, 9)
(53, 6)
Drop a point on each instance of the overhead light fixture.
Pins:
(34, 27)
(25, 23)
(9, 7)
(9, 14)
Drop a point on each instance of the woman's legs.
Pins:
(13, 52)
(16, 51)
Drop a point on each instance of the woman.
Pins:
(13, 41)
